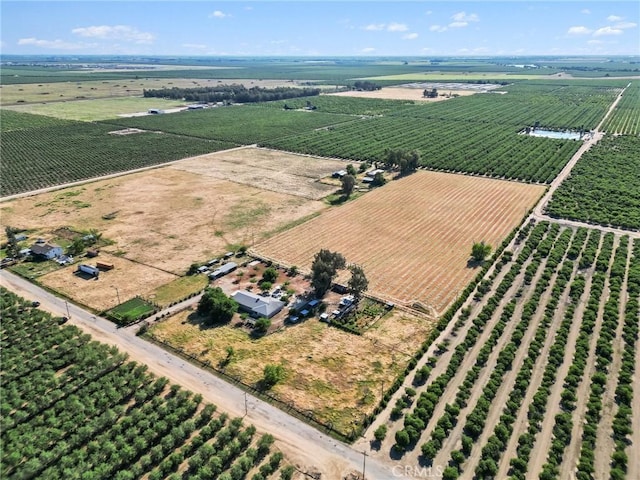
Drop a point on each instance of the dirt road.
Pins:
(301, 443)
(538, 212)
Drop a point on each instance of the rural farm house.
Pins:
(256, 305)
(46, 250)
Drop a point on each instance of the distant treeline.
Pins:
(231, 93)
(365, 85)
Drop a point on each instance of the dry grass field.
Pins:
(413, 236)
(130, 279)
(164, 219)
(336, 375)
(402, 93)
(269, 169)
(96, 109)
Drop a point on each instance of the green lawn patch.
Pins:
(130, 311)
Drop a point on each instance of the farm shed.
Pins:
(256, 305)
(89, 270)
(223, 270)
(373, 173)
(46, 250)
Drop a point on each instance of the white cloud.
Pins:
(623, 25)
(614, 18)
(410, 36)
(195, 46)
(437, 28)
(115, 32)
(218, 14)
(397, 27)
(607, 31)
(585, 11)
(368, 50)
(53, 44)
(580, 30)
(248, 8)
(595, 42)
(428, 12)
(390, 27)
(463, 17)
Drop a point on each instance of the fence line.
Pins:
(306, 416)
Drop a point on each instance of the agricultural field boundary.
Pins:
(299, 440)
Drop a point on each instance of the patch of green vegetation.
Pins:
(130, 311)
(178, 289)
(243, 215)
(338, 198)
(69, 193)
(34, 269)
(96, 109)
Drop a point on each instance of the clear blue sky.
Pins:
(322, 28)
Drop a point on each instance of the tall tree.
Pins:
(358, 282)
(405, 161)
(348, 183)
(480, 251)
(216, 307)
(324, 268)
(76, 247)
(12, 243)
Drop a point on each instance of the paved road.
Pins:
(302, 443)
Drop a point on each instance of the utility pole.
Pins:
(246, 409)
(364, 464)
(117, 293)
(67, 304)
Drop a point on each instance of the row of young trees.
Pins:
(476, 419)
(565, 254)
(74, 408)
(561, 434)
(429, 399)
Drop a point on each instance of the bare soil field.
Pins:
(269, 169)
(336, 375)
(413, 236)
(130, 279)
(403, 93)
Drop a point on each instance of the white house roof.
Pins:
(261, 306)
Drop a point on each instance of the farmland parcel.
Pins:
(413, 236)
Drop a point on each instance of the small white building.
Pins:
(373, 173)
